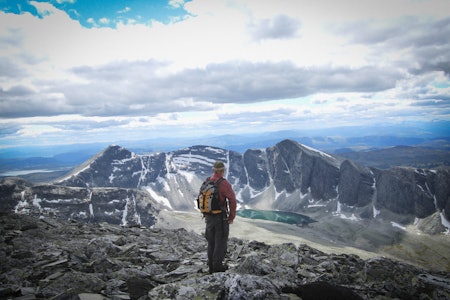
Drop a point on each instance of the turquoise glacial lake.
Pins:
(277, 216)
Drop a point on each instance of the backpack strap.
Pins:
(224, 207)
(218, 181)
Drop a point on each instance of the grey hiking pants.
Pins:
(217, 230)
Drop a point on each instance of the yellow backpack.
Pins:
(208, 197)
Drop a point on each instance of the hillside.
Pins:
(44, 258)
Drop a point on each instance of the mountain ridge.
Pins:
(365, 208)
(330, 141)
(287, 176)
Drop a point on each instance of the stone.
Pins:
(89, 263)
(91, 296)
(323, 290)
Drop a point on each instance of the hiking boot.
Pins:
(210, 269)
(221, 268)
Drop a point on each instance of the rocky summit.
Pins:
(47, 258)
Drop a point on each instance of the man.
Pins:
(217, 225)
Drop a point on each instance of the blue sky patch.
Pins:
(100, 13)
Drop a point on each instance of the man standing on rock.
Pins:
(218, 225)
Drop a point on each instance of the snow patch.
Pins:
(36, 202)
(319, 152)
(125, 213)
(160, 199)
(444, 221)
(351, 218)
(303, 196)
(68, 201)
(376, 212)
(185, 160)
(189, 176)
(316, 205)
(130, 208)
(21, 204)
(398, 226)
(164, 183)
(215, 150)
(75, 174)
(420, 172)
(341, 215)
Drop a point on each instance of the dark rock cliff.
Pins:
(113, 205)
(287, 176)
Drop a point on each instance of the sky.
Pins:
(81, 71)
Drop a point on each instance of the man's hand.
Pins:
(230, 221)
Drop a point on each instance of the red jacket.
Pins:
(226, 192)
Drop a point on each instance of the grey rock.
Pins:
(128, 207)
(441, 189)
(404, 191)
(355, 184)
(104, 261)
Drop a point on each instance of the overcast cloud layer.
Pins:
(219, 67)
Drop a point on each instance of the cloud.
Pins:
(283, 64)
(420, 42)
(125, 10)
(9, 69)
(9, 129)
(135, 88)
(176, 3)
(279, 27)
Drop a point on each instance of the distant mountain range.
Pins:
(379, 151)
(121, 186)
(406, 156)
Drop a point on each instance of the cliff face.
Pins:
(126, 207)
(356, 185)
(46, 258)
(287, 176)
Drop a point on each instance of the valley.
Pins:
(333, 235)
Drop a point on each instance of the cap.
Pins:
(218, 165)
